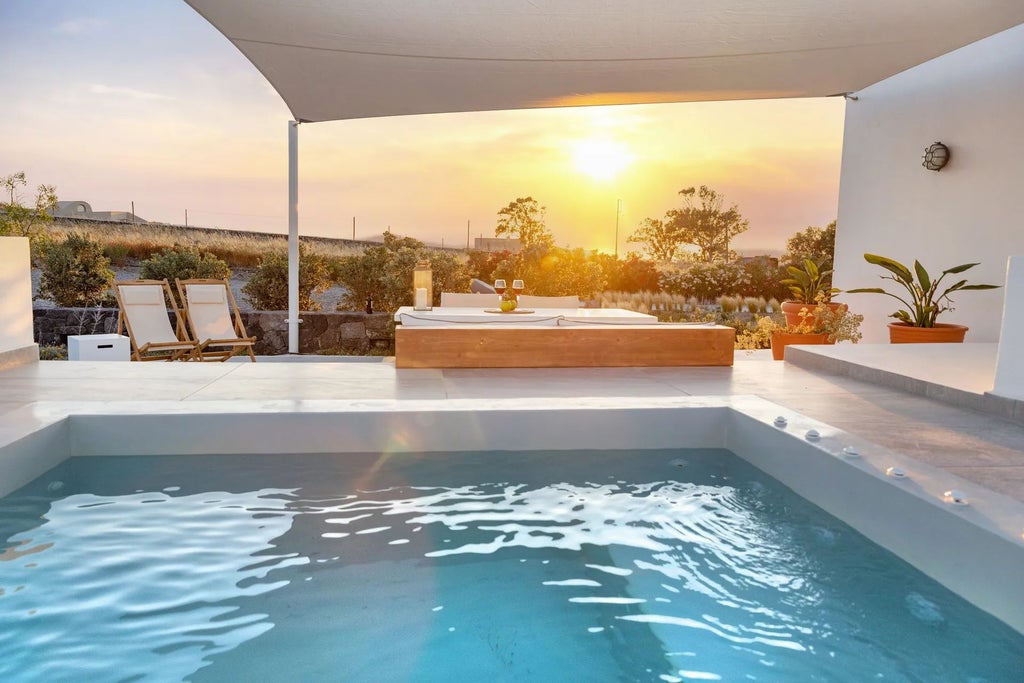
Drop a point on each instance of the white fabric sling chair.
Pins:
(143, 311)
(214, 320)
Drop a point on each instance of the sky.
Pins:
(121, 101)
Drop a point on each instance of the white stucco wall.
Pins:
(15, 294)
(972, 210)
(1009, 379)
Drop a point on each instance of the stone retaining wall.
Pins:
(338, 333)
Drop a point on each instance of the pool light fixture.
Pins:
(956, 497)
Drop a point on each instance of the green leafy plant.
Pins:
(385, 273)
(759, 334)
(19, 220)
(75, 273)
(267, 289)
(925, 298)
(185, 263)
(53, 352)
(808, 282)
(838, 323)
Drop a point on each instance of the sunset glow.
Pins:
(600, 158)
(132, 120)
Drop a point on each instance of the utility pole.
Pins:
(133, 212)
(467, 234)
(353, 228)
(618, 210)
(186, 218)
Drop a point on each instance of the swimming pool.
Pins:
(974, 550)
(502, 566)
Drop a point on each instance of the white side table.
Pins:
(98, 347)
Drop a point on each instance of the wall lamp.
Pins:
(935, 156)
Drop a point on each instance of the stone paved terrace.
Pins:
(981, 447)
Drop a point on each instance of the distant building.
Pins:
(491, 244)
(80, 209)
(764, 259)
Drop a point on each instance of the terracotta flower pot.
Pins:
(942, 333)
(780, 340)
(791, 309)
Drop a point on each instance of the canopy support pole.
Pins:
(293, 237)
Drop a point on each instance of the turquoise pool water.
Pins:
(533, 566)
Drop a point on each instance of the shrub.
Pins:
(705, 281)
(763, 279)
(758, 334)
(117, 253)
(633, 274)
(385, 273)
(182, 262)
(755, 304)
(728, 304)
(75, 272)
(53, 352)
(267, 289)
(554, 271)
(481, 264)
(668, 307)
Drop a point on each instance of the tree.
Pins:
(659, 239)
(816, 244)
(706, 226)
(19, 220)
(524, 219)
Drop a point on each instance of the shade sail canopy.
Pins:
(344, 59)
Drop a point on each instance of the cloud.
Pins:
(77, 27)
(100, 89)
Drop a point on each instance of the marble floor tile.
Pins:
(1006, 480)
(979, 447)
(316, 389)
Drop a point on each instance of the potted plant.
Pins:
(820, 324)
(810, 285)
(916, 323)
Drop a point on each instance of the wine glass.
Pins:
(500, 287)
(517, 288)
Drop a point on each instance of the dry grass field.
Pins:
(124, 242)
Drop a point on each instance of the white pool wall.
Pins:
(976, 550)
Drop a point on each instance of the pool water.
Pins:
(534, 566)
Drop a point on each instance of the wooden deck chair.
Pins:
(143, 310)
(214, 320)
(527, 301)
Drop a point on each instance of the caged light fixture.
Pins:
(935, 156)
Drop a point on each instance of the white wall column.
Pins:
(1010, 359)
(16, 345)
(293, 237)
(972, 100)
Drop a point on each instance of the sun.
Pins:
(600, 158)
